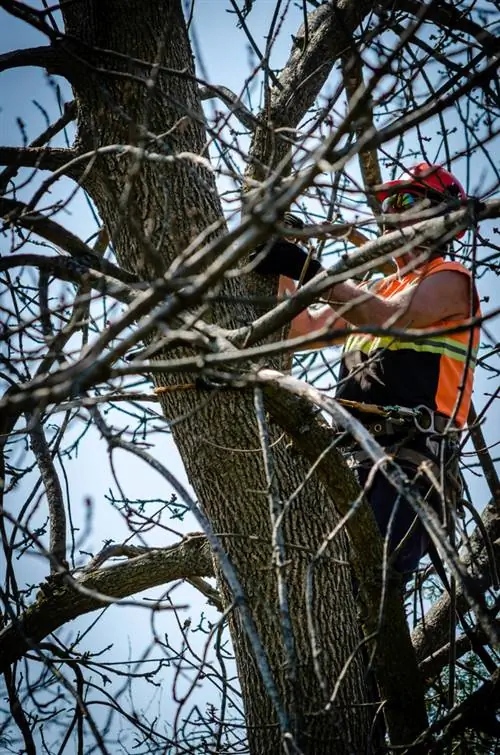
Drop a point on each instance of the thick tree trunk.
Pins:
(217, 437)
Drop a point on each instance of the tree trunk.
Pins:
(153, 212)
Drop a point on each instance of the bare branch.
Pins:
(484, 456)
(237, 108)
(431, 633)
(448, 15)
(61, 601)
(352, 71)
(18, 713)
(46, 57)
(68, 115)
(310, 62)
(44, 158)
(435, 663)
(13, 212)
(74, 271)
(312, 58)
(478, 712)
(53, 491)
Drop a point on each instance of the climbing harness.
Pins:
(395, 418)
(416, 422)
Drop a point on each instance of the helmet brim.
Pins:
(385, 190)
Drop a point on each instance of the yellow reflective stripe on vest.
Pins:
(441, 345)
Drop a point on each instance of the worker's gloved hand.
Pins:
(285, 258)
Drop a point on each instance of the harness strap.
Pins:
(452, 493)
(406, 454)
(395, 425)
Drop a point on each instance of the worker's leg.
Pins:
(396, 518)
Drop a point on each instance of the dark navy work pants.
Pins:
(396, 518)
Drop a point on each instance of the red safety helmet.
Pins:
(433, 180)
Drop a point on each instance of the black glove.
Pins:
(293, 221)
(285, 258)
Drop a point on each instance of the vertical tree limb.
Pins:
(53, 491)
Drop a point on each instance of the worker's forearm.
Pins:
(360, 307)
(312, 320)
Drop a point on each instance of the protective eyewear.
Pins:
(400, 202)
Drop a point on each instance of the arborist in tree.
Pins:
(412, 391)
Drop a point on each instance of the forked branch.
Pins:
(65, 597)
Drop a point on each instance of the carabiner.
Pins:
(427, 426)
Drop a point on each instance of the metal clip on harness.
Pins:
(429, 423)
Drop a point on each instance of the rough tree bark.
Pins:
(152, 213)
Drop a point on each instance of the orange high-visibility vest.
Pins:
(436, 370)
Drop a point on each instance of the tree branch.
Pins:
(452, 18)
(484, 456)
(53, 491)
(312, 57)
(434, 664)
(68, 115)
(60, 600)
(477, 712)
(233, 102)
(12, 211)
(308, 67)
(47, 57)
(18, 714)
(44, 158)
(75, 271)
(432, 632)
(352, 72)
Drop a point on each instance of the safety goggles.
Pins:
(400, 202)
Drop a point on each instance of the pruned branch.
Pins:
(60, 600)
